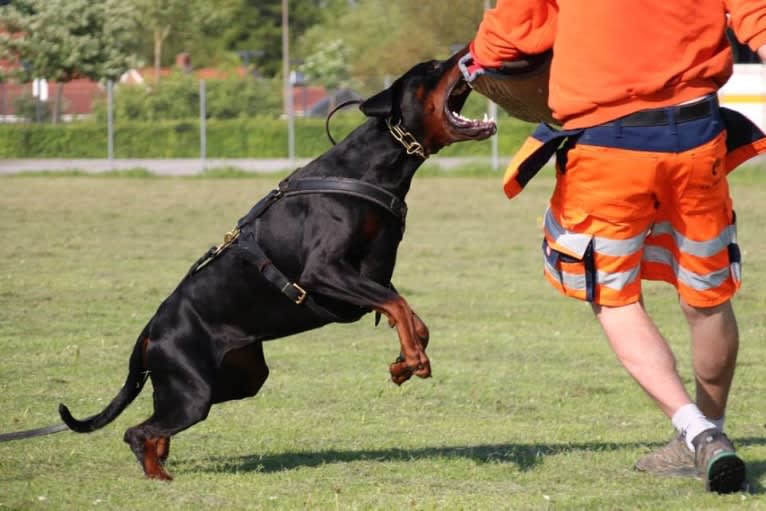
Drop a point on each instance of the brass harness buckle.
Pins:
(301, 293)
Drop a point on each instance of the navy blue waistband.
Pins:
(670, 129)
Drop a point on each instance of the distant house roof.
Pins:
(146, 74)
(306, 97)
(78, 96)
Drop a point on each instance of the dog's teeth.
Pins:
(460, 117)
(486, 117)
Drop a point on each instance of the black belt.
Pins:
(664, 116)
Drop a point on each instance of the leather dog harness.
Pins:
(250, 250)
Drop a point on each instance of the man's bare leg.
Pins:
(714, 345)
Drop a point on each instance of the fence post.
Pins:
(202, 125)
(493, 115)
(110, 122)
(288, 88)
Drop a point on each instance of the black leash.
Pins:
(29, 433)
(332, 112)
(397, 131)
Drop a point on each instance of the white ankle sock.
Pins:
(690, 422)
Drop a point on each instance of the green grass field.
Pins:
(527, 408)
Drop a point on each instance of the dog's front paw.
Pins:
(422, 370)
(400, 371)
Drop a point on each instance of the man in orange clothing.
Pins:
(641, 189)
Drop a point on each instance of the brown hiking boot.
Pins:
(717, 462)
(672, 459)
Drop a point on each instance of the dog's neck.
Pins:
(372, 155)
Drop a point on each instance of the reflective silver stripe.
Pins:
(736, 271)
(620, 279)
(694, 280)
(660, 255)
(570, 280)
(616, 281)
(698, 248)
(578, 243)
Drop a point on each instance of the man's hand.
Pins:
(470, 68)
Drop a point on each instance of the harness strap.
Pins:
(249, 249)
(232, 236)
(253, 253)
(347, 186)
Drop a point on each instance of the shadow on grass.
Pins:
(524, 456)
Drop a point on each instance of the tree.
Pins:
(62, 40)
(257, 25)
(161, 18)
(328, 65)
(193, 26)
(388, 37)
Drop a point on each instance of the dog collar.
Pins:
(407, 139)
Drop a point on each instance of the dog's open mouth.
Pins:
(463, 128)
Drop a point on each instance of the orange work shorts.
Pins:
(637, 202)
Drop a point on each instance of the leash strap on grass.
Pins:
(29, 433)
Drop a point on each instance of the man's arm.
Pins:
(748, 20)
(514, 28)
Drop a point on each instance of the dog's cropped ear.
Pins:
(379, 105)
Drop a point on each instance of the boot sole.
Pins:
(725, 474)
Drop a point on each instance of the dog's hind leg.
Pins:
(242, 373)
(182, 398)
(150, 442)
(155, 453)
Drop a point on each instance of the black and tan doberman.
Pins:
(318, 249)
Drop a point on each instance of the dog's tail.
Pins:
(134, 382)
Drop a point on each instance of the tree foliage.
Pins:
(373, 37)
(167, 27)
(61, 40)
(257, 27)
(328, 66)
(64, 39)
(359, 43)
(386, 37)
(178, 98)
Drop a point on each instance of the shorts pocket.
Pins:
(573, 276)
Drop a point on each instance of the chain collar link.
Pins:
(406, 138)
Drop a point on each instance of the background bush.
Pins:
(258, 137)
(177, 97)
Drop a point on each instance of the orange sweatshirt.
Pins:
(615, 57)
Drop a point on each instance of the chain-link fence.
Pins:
(181, 117)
